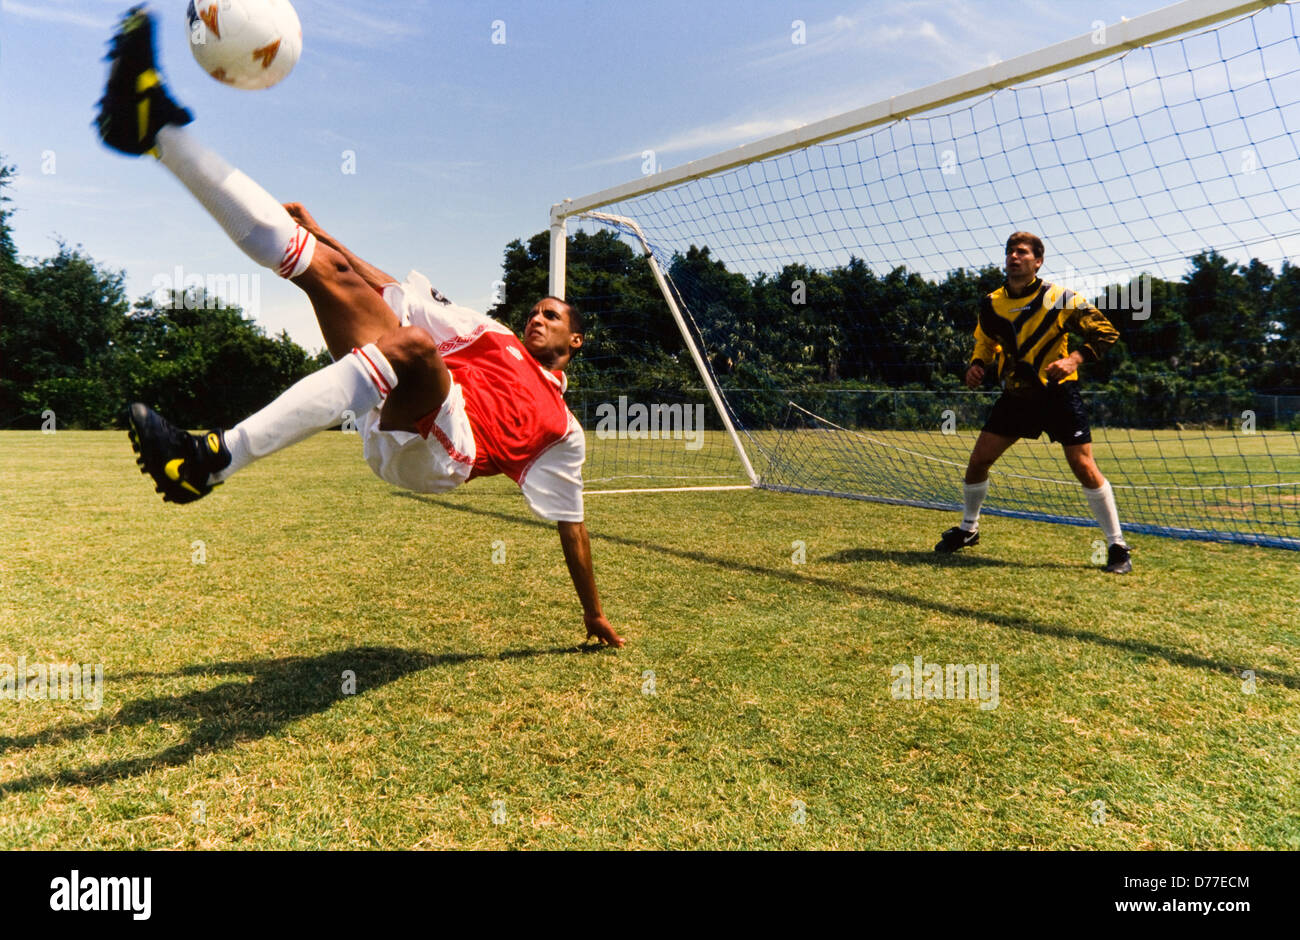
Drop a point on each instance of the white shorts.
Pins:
(443, 459)
(433, 464)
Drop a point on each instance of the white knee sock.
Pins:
(251, 216)
(972, 495)
(359, 381)
(1102, 502)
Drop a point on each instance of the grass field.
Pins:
(1123, 720)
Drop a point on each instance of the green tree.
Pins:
(200, 362)
(57, 341)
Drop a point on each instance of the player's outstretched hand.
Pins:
(974, 376)
(599, 628)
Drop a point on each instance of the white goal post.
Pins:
(826, 281)
(710, 385)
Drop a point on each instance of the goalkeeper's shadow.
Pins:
(932, 559)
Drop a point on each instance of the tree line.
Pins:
(74, 351)
(1199, 349)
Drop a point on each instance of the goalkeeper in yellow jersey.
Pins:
(1022, 331)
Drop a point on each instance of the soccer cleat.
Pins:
(956, 538)
(178, 461)
(1118, 559)
(135, 103)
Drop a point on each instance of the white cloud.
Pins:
(346, 23)
(709, 137)
(56, 13)
(446, 171)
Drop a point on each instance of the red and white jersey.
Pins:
(521, 426)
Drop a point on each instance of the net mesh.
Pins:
(833, 291)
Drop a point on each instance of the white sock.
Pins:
(1102, 502)
(359, 381)
(251, 216)
(972, 495)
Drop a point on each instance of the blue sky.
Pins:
(460, 144)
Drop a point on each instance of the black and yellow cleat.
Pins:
(179, 462)
(136, 103)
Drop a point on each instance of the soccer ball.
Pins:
(245, 43)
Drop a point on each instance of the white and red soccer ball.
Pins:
(245, 43)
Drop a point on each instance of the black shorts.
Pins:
(1057, 409)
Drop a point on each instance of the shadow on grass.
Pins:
(279, 691)
(953, 610)
(934, 559)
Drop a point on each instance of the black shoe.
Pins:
(1118, 559)
(956, 538)
(135, 103)
(178, 461)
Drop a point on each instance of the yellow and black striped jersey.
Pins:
(1024, 334)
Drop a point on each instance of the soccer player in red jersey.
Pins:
(440, 394)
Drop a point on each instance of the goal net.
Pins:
(810, 299)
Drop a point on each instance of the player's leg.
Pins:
(423, 380)
(353, 318)
(1079, 457)
(402, 375)
(186, 466)
(989, 446)
(137, 115)
(1101, 500)
(1068, 425)
(350, 313)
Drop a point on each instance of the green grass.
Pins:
(224, 723)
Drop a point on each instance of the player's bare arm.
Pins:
(372, 275)
(577, 554)
(388, 374)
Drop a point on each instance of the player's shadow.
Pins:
(276, 693)
(934, 559)
(954, 610)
